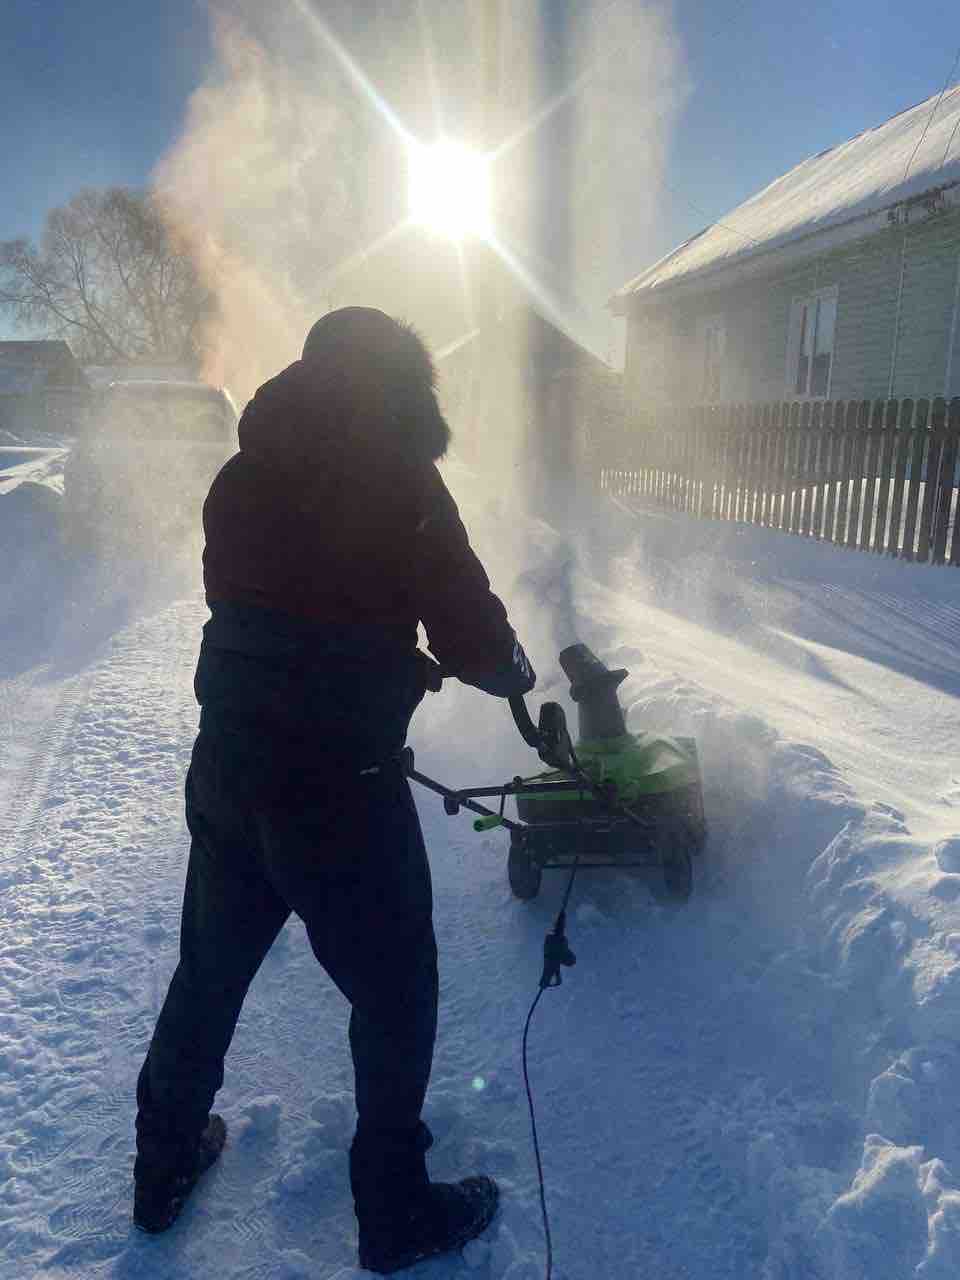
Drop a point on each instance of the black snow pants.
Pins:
(348, 857)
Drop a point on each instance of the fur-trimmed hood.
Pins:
(364, 387)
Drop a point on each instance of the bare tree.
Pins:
(110, 276)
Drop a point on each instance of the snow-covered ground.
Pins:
(35, 463)
(760, 1086)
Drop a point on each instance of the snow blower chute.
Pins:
(616, 799)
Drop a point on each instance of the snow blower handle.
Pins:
(521, 718)
(550, 738)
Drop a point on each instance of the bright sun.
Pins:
(450, 190)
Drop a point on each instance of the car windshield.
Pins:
(195, 415)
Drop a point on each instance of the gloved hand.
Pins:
(513, 677)
(430, 672)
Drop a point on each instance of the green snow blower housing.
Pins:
(644, 806)
(635, 765)
(616, 799)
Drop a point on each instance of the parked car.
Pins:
(139, 473)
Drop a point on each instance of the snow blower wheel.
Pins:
(525, 875)
(676, 883)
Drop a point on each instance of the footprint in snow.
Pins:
(947, 853)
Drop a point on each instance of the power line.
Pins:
(716, 222)
(931, 115)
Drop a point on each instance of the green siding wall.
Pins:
(867, 276)
(929, 286)
(953, 386)
(664, 352)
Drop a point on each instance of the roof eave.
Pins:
(761, 261)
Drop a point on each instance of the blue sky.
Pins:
(92, 93)
(775, 82)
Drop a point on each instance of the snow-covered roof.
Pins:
(163, 386)
(841, 194)
(101, 375)
(33, 365)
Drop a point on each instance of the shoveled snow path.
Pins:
(676, 1037)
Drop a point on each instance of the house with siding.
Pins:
(840, 280)
(42, 389)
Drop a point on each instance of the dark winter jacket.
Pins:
(329, 537)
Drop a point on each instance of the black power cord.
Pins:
(556, 750)
(556, 954)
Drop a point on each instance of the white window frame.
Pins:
(712, 344)
(830, 294)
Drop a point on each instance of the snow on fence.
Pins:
(874, 475)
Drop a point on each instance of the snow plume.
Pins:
(289, 178)
(633, 85)
(256, 192)
(600, 92)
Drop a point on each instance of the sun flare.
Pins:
(450, 190)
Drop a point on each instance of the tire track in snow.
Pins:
(108, 903)
(90, 752)
(36, 720)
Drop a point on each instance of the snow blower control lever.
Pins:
(550, 738)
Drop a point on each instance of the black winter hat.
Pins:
(368, 348)
(359, 330)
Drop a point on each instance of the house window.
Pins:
(713, 345)
(813, 327)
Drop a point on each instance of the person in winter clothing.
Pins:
(329, 536)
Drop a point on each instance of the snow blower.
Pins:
(616, 799)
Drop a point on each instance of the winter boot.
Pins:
(447, 1216)
(159, 1195)
(403, 1216)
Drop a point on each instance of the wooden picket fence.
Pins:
(873, 475)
